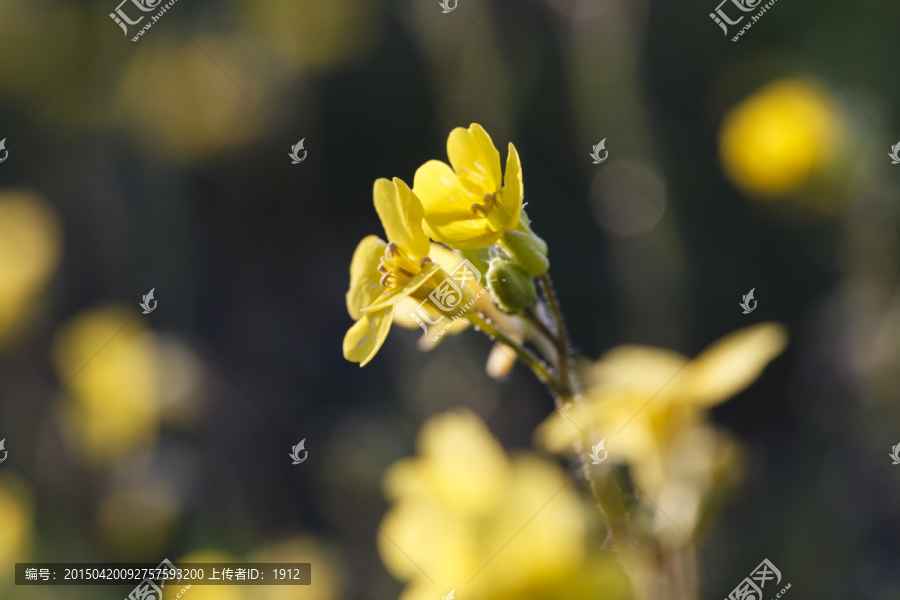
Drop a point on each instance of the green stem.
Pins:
(604, 486)
(562, 338)
(609, 496)
(539, 325)
(525, 355)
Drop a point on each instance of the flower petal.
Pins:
(475, 159)
(731, 364)
(639, 370)
(438, 187)
(401, 216)
(449, 218)
(402, 315)
(364, 275)
(395, 295)
(367, 335)
(513, 187)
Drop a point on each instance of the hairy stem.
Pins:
(539, 325)
(562, 337)
(525, 355)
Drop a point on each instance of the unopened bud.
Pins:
(525, 226)
(511, 287)
(526, 251)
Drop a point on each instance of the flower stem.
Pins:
(525, 355)
(562, 337)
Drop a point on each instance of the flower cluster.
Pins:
(467, 206)
(457, 508)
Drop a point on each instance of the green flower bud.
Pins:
(510, 286)
(526, 250)
(525, 226)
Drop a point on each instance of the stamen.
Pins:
(426, 260)
(479, 210)
(392, 250)
(386, 279)
(382, 269)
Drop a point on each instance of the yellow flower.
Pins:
(468, 205)
(110, 364)
(30, 240)
(773, 141)
(406, 316)
(641, 399)
(383, 274)
(205, 592)
(328, 574)
(465, 515)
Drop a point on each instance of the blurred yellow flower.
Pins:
(384, 274)
(650, 405)
(468, 205)
(326, 571)
(137, 521)
(462, 507)
(111, 361)
(181, 106)
(16, 523)
(206, 592)
(30, 240)
(314, 34)
(773, 141)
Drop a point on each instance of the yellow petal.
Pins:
(465, 467)
(640, 370)
(395, 295)
(367, 335)
(401, 216)
(447, 258)
(435, 184)
(731, 364)
(559, 432)
(500, 361)
(513, 187)
(364, 275)
(463, 231)
(402, 315)
(475, 159)
(449, 218)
